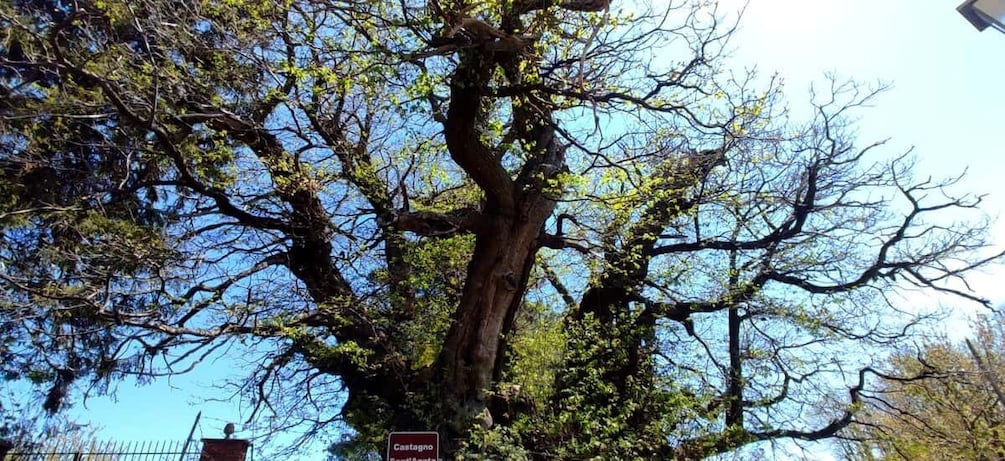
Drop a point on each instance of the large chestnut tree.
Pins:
(545, 229)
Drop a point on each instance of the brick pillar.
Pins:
(5, 446)
(223, 450)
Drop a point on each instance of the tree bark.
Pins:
(507, 237)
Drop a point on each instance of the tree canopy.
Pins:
(545, 229)
(939, 402)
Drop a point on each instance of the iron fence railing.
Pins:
(107, 451)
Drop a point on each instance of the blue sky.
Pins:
(947, 101)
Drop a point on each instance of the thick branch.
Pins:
(432, 224)
(462, 131)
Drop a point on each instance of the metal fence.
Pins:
(108, 451)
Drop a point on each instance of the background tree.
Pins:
(938, 403)
(545, 229)
(26, 426)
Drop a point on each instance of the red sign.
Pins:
(413, 446)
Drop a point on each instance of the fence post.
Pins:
(5, 446)
(224, 450)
